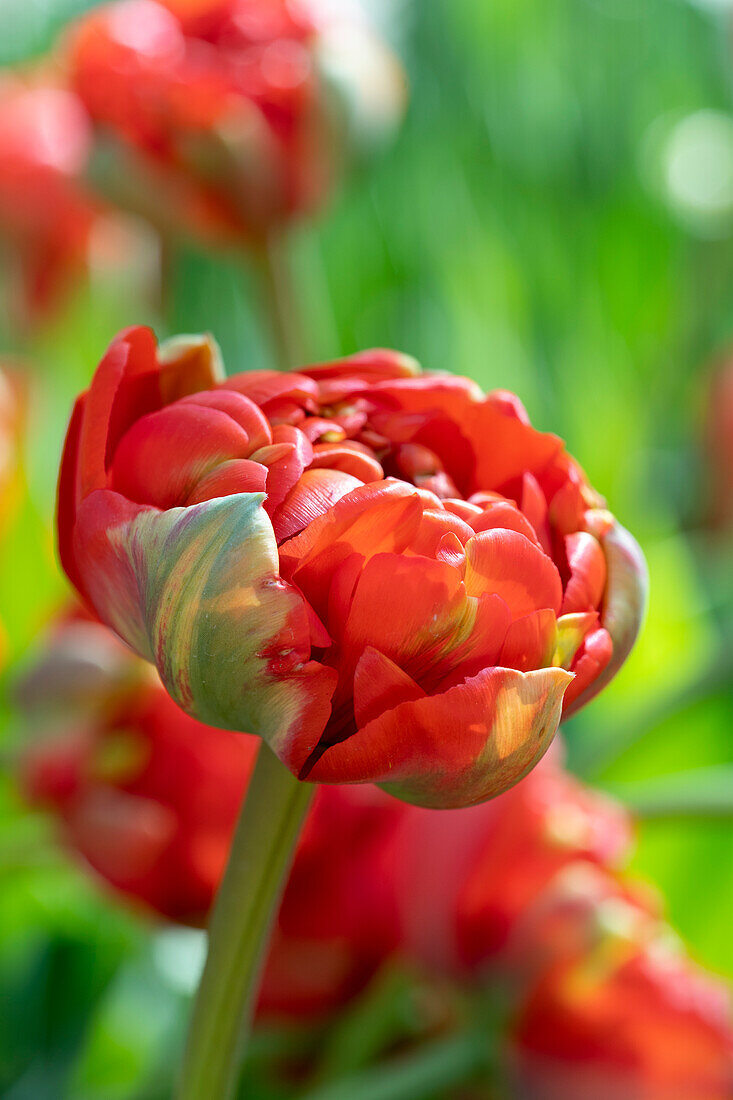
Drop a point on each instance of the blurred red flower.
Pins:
(496, 863)
(55, 230)
(45, 215)
(236, 113)
(618, 1012)
(149, 798)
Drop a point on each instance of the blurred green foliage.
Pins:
(536, 226)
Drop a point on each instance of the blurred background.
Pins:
(555, 217)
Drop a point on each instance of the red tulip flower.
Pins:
(149, 799)
(55, 230)
(627, 1017)
(45, 139)
(232, 115)
(495, 864)
(389, 576)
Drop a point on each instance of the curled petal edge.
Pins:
(624, 600)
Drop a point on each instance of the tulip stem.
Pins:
(280, 302)
(259, 860)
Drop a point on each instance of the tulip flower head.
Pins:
(230, 116)
(47, 219)
(55, 229)
(627, 1018)
(389, 576)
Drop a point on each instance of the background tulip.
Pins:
(628, 1016)
(249, 534)
(55, 230)
(229, 117)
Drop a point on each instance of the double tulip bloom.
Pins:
(232, 116)
(387, 575)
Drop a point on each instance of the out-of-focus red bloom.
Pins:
(389, 576)
(149, 798)
(45, 216)
(619, 1013)
(236, 112)
(719, 443)
(495, 864)
(54, 230)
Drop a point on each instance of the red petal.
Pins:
(505, 515)
(587, 581)
(462, 508)
(124, 386)
(508, 564)
(450, 549)
(508, 404)
(590, 661)
(166, 453)
(242, 411)
(314, 494)
(239, 475)
(481, 649)
(529, 641)
(427, 612)
(506, 448)
(345, 456)
(341, 592)
(286, 466)
(534, 506)
(319, 427)
(458, 748)
(262, 386)
(434, 526)
(375, 518)
(68, 490)
(379, 685)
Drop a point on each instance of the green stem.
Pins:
(260, 858)
(280, 302)
(435, 1066)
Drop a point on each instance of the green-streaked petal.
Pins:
(197, 591)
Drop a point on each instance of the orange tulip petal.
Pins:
(508, 564)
